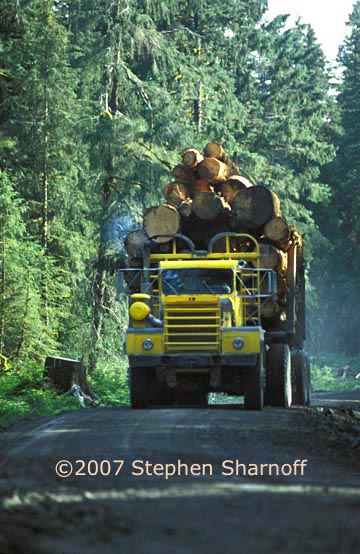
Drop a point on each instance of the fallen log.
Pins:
(253, 207)
(161, 220)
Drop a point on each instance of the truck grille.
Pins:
(192, 327)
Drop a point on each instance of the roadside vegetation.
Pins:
(25, 394)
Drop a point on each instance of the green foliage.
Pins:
(325, 373)
(111, 384)
(24, 394)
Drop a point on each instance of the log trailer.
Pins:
(195, 326)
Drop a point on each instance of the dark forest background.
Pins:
(98, 98)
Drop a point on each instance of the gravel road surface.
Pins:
(190, 482)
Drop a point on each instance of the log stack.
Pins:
(209, 195)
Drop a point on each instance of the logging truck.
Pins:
(199, 323)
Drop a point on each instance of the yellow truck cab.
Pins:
(195, 327)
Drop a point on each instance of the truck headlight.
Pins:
(147, 344)
(238, 343)
(139, 311)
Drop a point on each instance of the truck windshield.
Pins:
(197, 281)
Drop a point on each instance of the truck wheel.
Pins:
(279, 375)
(254, 387)
(299, 367)
(139, 387)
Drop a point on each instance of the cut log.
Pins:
(209, 206)
(229, 188)
(134, 243)
(175, 193)
(272, 258)
(161, 220)
(212, 170)
(277, 230)
(200, 185)
(253, 207)
(191, 158)
(184, 173)
(215, 150)
(270, 310)
(185, 208)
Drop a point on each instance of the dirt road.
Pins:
(209, 510)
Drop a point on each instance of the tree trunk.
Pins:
(253, 207)
(209, 206)
(175, 193)
(161, 220)
(212, 170)
(191, 158)
(134, 243)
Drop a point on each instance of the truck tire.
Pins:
(254, 386)
(300, 378)
(300, 364)
(139, 387)
(279, 375)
